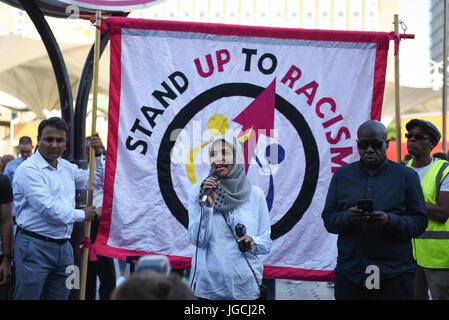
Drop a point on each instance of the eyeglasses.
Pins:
(364, 144)
(418, 136)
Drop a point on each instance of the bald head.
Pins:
(372, 128)
(372, 143)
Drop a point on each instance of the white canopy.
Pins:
(66, 8)
(27, 74)
(412, 101)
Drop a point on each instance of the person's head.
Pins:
(226, 156)
(25, 147)
(151, 285)
(372, 143)
(52, 138)
(222, 155)
(4, 161)
(422, 136)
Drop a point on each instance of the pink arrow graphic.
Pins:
(258, 117)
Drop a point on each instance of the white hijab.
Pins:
(235, 188)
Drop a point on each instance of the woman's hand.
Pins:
(210, 183)
(249, 242)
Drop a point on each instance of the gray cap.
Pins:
(426, 125)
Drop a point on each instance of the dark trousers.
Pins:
(435, 280)
(397, 288)
(103, 268)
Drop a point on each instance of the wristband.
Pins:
(5, 255)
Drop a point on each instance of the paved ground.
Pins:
(303, 290)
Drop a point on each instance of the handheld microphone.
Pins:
(217, 176)
(240, 231)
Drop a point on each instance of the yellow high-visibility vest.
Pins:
(431, 248)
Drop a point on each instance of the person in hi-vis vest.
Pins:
(431, 249)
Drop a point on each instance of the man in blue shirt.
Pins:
(375, 259)
(44, 195)
(25, 151)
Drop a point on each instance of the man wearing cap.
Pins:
(431, 249)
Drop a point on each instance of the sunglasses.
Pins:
(418, 136)
(375, 144)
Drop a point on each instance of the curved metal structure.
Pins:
(59, 67)
(55, 8)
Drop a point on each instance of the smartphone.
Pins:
(366, 205)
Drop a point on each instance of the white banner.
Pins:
(296, 97)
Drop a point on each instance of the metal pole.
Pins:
(397, 108)
(444, 75)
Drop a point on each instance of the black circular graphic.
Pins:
(305, 195)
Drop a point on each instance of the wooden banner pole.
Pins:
(444, 111)
(396, 96)
(92, 153)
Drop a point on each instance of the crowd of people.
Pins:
(41, 228)
(391, 220)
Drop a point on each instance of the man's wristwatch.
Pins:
(5, 255)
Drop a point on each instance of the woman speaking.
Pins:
(229, 224)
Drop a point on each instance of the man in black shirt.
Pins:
(375, 259)
(6, 230)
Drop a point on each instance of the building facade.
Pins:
(436, 30)
(361, 15)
